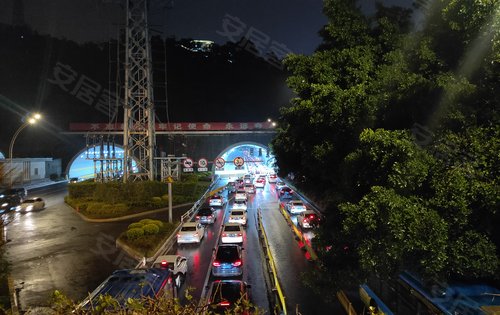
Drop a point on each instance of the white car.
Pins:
(279, 184)
(272, 178)
(239, 205)
(176, 263)
(32, 204)
(238, 216)
(260, 182)
(190, 232)
(232, 233)
(216, 201)
(249, 188)
(295, 206)
(240, 195)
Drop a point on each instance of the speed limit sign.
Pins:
(238, 161)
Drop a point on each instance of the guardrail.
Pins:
(344, 301)
(278, 292)
(169, 243)
(298, 233)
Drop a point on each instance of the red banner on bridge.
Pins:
(184, 126)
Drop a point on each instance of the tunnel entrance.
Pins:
(256, 157)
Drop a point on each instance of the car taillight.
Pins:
(164, 263)
(311, 216)
(237, 263)
(224, 234)
(216, 263)
(178, 234)
(209, 216)
(197, 217)
(225, 303)
(306, 220)
(240, 234)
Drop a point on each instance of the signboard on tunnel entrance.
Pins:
(238, 161)
(188, 165)
(219, 163)
(202, 165)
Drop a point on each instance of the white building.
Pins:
(25, 170)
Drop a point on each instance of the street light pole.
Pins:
(30, 121)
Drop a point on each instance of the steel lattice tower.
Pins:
(139, 117)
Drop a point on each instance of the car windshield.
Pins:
(227, 254)
(216, 197)
(240, 191)
(188, 228)
(237, 213)
(297, 203)
(226, 291)
(239, 202)
(232, 228)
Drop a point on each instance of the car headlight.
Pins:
(5, 204)
(29, 208)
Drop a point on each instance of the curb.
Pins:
(130, 216)
(13, 297)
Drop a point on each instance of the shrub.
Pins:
(146, 221)
(156, 199)
(135, 225)
(164, 197)
(151, 229)
(135, 233)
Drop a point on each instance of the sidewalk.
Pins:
(37, 183)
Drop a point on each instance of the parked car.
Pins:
(13, 192)
(240, 195)
(232, 233)
(205, 215)
(285, 192)
(216, 201)
(228, 261)
(11, 203)
(308, 219)
(224, 295)
(190, 232)
(250, 188)
(238, 216)
(73, 180)
(295, 206)
(32, 204)
(239, 205)
(176, 263)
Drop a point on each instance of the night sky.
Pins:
(292, 23)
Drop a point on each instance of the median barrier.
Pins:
(280, 305)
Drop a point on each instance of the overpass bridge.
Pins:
(195, 140)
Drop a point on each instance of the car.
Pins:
(239, 205)
(231, 187)
(227, 261)
(190, 232)
(32, 204)
(11, 203)
(247, 179)
(295, 206)
(205, 216)
(285, 192)
(260, 182)
(241, 194)
(176, 263)
(216, 201)
(238, 216)
(224, 295)
(279, 184)
(239, 183)
(249, 188)
(13, 192)
(73, 180)
(272, 178)
(308, 219)
(232, 233)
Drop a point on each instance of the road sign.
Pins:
(238, 161)
(202, 163)
(187, 169)
(219, 162)
(188, 163)
(170, 179)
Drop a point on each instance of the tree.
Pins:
(393, 202)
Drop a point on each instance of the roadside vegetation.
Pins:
(395, 129)
(114, 199)
(146, 235)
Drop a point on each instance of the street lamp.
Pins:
(30, 120)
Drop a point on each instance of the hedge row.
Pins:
(147, 235)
